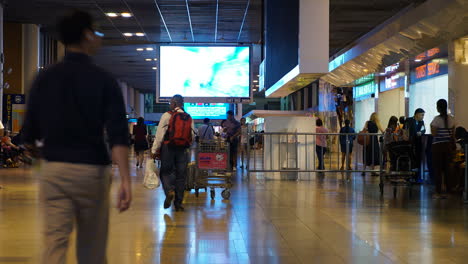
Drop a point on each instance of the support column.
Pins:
(131, 101)
(239, 112)
(2, 59)
(458, 78)
(142, 104)
(30, 55)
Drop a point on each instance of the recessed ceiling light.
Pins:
(140, 49)
(147, 59)
(128, 34)
(149, 49)
(366, 70)
(126, 14)
(417, 60)
(155, 68)
(255, 81)
(139, 34)
(111, 14)
(155, 59)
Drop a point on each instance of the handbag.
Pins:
(362, 139)
(151, 180)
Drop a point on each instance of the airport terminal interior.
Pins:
(313, 131)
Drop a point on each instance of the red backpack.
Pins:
(179, 131)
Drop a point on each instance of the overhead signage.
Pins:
(428, 54)
(433, 68)
(393, 81)
(365, 79)
(392, 68)
(364, 91)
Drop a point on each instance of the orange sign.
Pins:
(433, 68)
(421, 71)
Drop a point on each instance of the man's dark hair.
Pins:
(347, 122)
(230, 112)
(418, 111)
(319, 122)
(71, 27)
(206, 120)
(178, 99)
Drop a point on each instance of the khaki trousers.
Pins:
(74, 195)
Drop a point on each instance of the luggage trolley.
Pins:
(401, 171)
(212, 168)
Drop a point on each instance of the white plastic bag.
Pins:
(151, 180)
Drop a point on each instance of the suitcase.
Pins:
(190, 180)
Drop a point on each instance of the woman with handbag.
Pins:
(140, 133)
(443, 148)
(371, 147)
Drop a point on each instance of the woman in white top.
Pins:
(442, 128)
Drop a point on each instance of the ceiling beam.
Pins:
(216, 24)
(190, 19)
(243, 20)
(110, 20)
(163, 20)
(136, 19)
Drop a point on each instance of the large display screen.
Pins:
(204, 72)
(207, 110)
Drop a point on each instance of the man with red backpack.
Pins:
(174, 135)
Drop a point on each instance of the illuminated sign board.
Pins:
(365, 79)
(429, 70)
(364, 91)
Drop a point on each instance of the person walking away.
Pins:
(174, 135)
(244, 142)
(206, 131)
(232, 128)
(140, 133)
(372, 150)
(75, 175)
(443, 148)
(416, 129)
(321, 143)
(346, 144)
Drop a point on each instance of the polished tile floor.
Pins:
(327, 220)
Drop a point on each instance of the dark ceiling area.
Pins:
(214, 22)
(352, 19)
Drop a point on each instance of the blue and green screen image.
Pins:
(204, 71)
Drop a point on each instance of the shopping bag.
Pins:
(151, 180)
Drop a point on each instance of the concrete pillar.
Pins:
(239, 112)
(124, 88)
(131, 101)
(31, 36)
(142, 104)
(60, 51)
(1, 60)
(458, 79)
(136, 104)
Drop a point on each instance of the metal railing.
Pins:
(293, 155)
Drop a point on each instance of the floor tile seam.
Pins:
(372, 246)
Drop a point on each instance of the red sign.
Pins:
(213, 161)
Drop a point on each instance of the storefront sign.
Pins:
(429, 70)
(364, 91)
(8, 101)
(393, 81)
(428, 54)
(365, 79)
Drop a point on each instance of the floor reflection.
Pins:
(335, 218)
